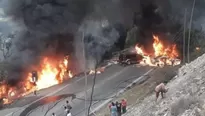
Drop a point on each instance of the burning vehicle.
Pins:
(129, 58)
(162, 55)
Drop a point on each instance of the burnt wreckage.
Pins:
(129, 58)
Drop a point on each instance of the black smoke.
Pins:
(48, 16)
(46, 27)
(49, 27)
(53, 26)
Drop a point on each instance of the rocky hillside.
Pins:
(185, 97)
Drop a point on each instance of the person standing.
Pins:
(109, 106)
(68, 106)
(34, 81)
(119, 109)
(66, 109)
(53, 114)
(124, 106)
(113, 109)
(68, 113)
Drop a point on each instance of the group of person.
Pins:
(67, 108)
(118, 108)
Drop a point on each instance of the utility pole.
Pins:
(85, 73)
(184, 37)
(190, 24)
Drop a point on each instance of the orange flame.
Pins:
(167, 54)
(50, 73)
(98, 71)
(160, 50)
(47, 76)
(6, 93)
(6, 101)
(197, 48)
(93, 72)
(158, 47)
(139, 50)
(3, 90)
(70, 74)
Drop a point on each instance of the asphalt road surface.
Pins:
(108, 83)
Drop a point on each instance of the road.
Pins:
(108, 83)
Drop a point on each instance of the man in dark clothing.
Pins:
(68, 106)
(119, 107)
(53, 114)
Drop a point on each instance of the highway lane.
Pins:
(107, 83)
(110, 87)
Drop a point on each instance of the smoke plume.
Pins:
(98, 37)
(59, 25)
(47, 26)
(177, 10)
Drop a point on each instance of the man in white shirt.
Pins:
(69, 113)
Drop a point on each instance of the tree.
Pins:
(5, 48)
(197, 46)
(6, 44)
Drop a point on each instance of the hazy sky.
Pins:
(5, 23)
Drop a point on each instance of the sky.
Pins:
(5, 23)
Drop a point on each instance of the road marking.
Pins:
(120, 91)
(80, 79)
(9, 114)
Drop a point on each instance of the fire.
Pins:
(197, 48)
(98, 71)
(162, 54)
(47, 76)
(70, 74)
(49, 73)
(93, 72)
(139, 50)
(6, 101)
(11, 93)
(158, 47)
(7, 93)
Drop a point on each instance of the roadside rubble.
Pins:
(186, 95)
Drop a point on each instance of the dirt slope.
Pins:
(185, 97)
